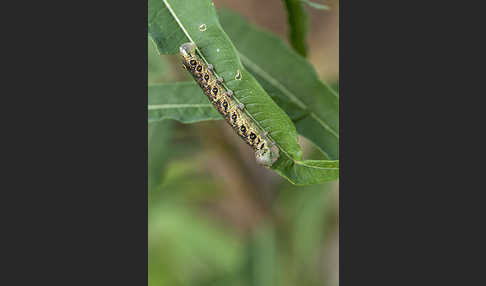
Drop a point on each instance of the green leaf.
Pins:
(163, 28)
(215, 47)
(307, 172)
(298, 23)
(182, 101)
(290, 80)
(185, 102)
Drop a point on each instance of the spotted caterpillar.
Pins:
(223, 100)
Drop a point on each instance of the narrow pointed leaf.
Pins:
(298, 22)
(186, 103)
(198, 22)
(183, 101)
(290, 80)
(307, 172)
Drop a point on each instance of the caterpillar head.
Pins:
(267, 156)
(187, 49)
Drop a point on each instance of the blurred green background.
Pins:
(217, 218)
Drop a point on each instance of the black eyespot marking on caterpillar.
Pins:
(227, 105)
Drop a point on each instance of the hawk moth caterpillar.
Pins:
(224, 101)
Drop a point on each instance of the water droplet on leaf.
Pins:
(238, 75)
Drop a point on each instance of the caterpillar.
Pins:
(232, 111)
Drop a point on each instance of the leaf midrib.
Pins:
(177, 20)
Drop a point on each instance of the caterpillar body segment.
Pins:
(222, 99)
